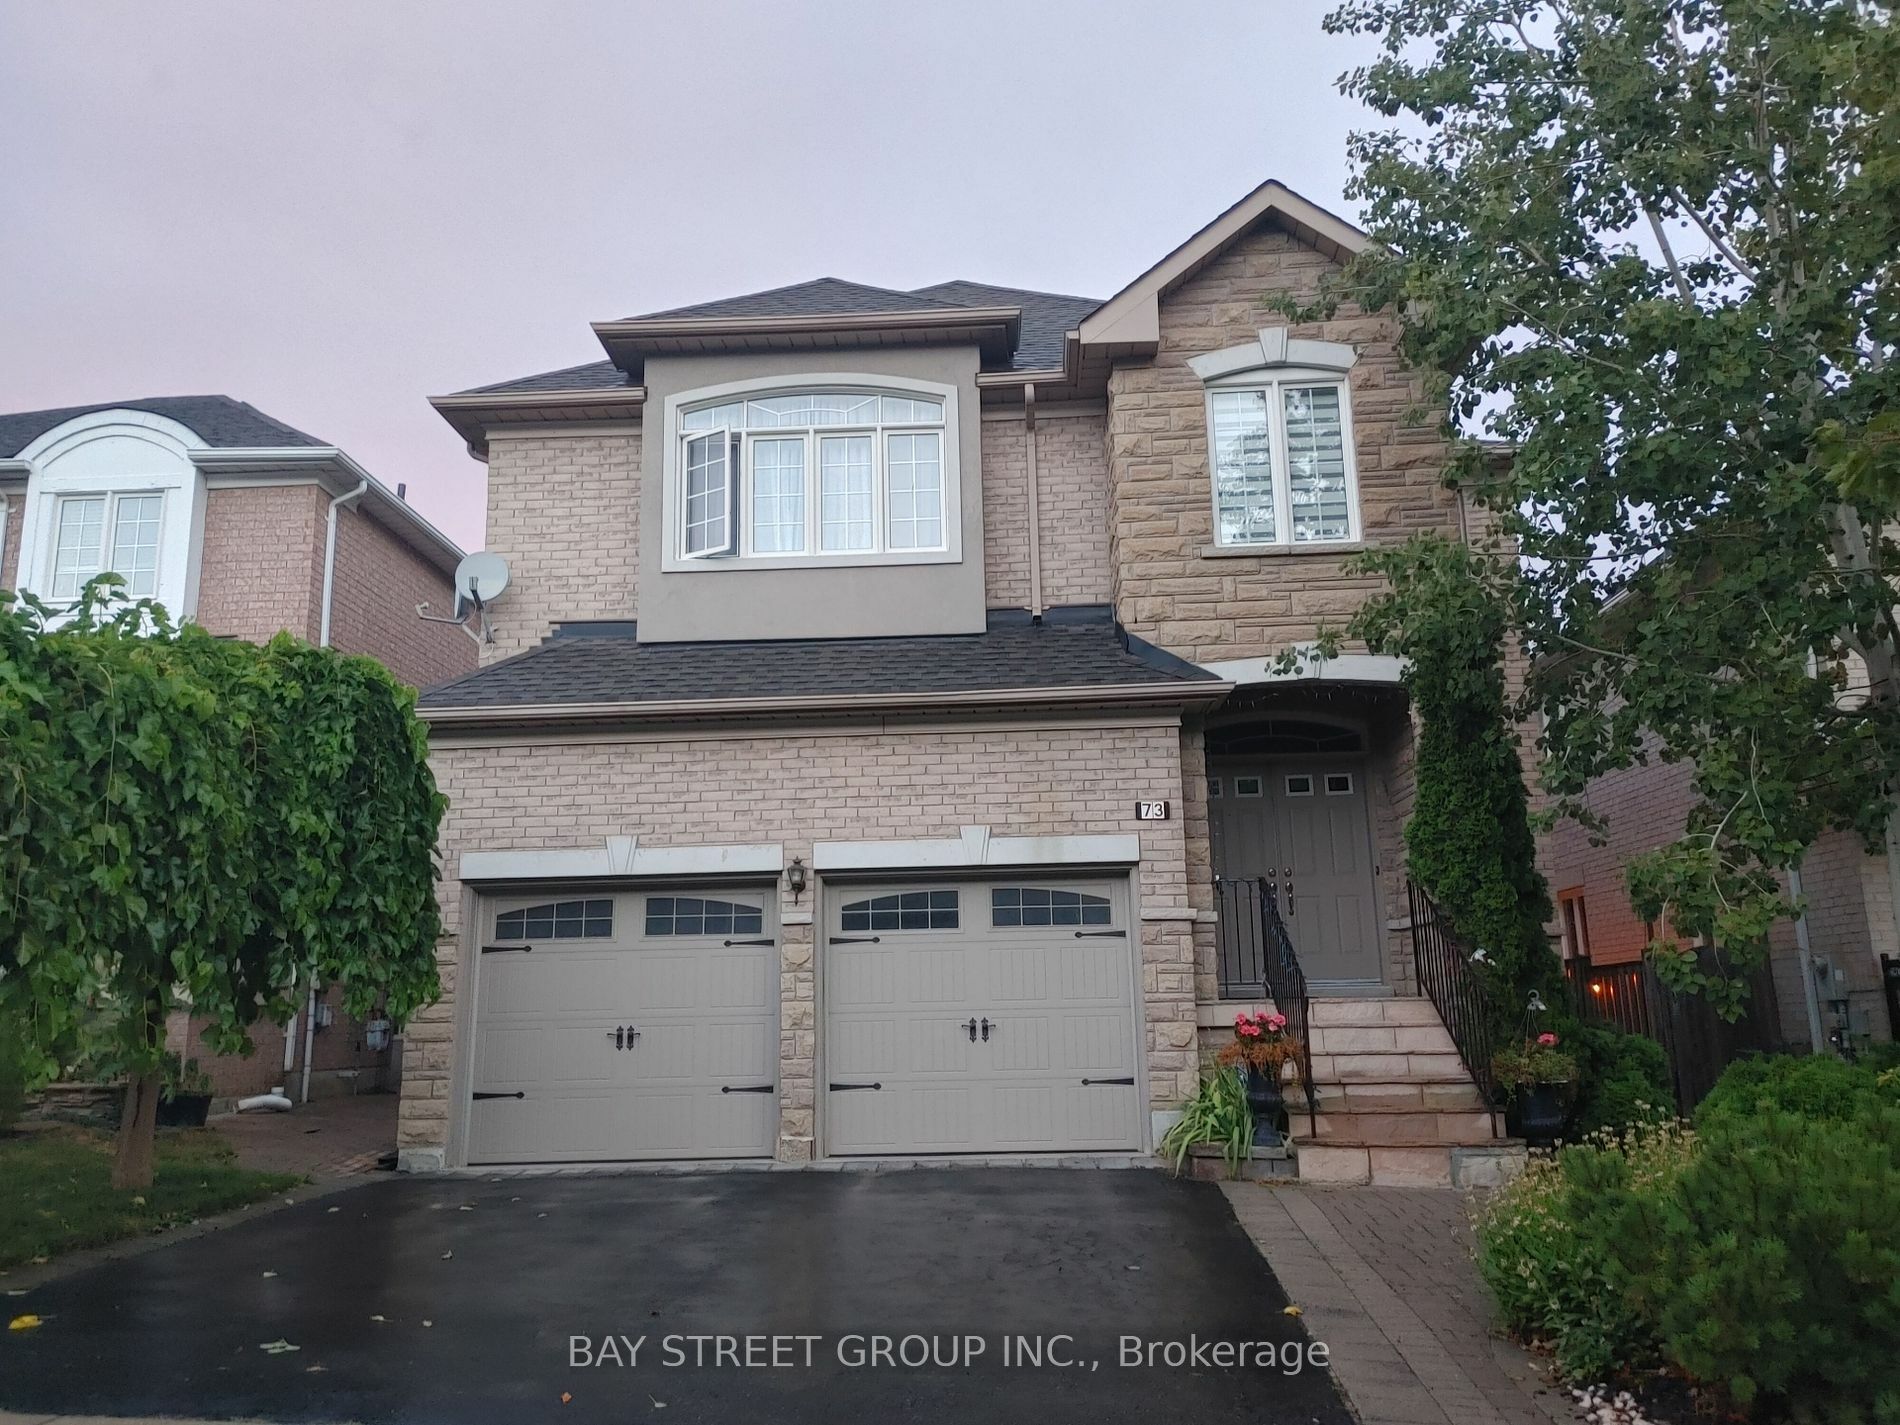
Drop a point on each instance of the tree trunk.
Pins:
(138, 1129)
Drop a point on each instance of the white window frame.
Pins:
(742, 553)
(108, 540)
(1274, 381)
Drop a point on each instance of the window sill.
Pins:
(1281, 551)
(679, 564)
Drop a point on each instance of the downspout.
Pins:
(1035, 501)
(349, 497)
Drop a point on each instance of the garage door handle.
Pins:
(730, 943)
(506, 949)
(748, 1088)
(841, 1088)
(516, 1094)
(1085, 934)
(1087, 1082)
(853, 940)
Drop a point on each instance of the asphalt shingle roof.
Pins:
(1076, 648)
(219, 420)
(1047, 318)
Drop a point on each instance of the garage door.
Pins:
(632, 1025)
(979, 1018)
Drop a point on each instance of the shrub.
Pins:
(1622, 1080)
(1552, 1276)
(1815, 1086)
(12, 1079)
(1772, 1267)
(1217, 1113)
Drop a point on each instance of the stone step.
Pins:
(1457, 1095)
(1416, 1128)
(1382, 1039)
(1466, 1166)
(1408, 1010)
(1387, 1068)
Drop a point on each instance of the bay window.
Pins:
(1281, 457)
(792, 474)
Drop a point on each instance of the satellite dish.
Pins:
(480, 579)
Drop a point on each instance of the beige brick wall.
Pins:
(1161, 511)
(564, 511)
(379, 581)
(261, 570)
(805, 786)
(1072, 480)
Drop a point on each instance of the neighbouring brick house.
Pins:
(1829, 996)
(224, 516)
(881, 750)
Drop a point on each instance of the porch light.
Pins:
(795, 878)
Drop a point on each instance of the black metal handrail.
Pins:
(1463, 1004)
(1257, 960)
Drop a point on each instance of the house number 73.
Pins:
(1151, 811)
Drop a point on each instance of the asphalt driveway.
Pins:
(458, 1300)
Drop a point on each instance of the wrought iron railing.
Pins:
(1463, 1004)
(1257, 961)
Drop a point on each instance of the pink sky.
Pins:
(334, 211)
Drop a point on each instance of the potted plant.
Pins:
(1261, 1050)
(186, 1099)
(1535, 1075)
(1217, 1114)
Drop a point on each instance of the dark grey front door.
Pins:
(1303, 824)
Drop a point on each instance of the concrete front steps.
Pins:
(1396, 1105)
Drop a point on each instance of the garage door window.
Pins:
(557, 920)
(1037, 905)
(907, 910)
(694, 915)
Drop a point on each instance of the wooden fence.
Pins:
(1697, 1041)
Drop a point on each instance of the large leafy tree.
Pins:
(1652, 244)
(191, 818)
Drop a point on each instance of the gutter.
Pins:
(1183, 694)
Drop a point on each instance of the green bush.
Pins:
(1772, 1267)
(1880, 1057)
(1553, 1278)
(1814, 1086)
(12, 1082)
(1622, 1079)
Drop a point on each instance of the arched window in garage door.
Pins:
(1041, 905)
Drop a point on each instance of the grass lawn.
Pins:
(56, 1194)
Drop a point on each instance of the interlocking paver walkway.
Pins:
(1385, 1278)
(325, 1139)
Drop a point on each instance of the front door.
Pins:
(1303, 825)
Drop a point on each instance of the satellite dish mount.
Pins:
(480, 579)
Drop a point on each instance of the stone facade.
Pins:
(564, 511)
(1161, 519)
(798, 787)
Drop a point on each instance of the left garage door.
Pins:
(628, 1025)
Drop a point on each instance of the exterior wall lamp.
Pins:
(795, 878)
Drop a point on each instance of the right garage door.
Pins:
(980, 1017)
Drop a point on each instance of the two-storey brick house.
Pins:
(245, 525)
(881, 751)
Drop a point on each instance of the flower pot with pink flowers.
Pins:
(1536, 1076)
(1262, 1050)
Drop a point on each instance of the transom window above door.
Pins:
(828, 475)
(1282, 462)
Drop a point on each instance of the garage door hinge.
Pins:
(518, 1093)
(1109, 1081)
(506, 949)
(767, 941)
(1084, 934)
(840, 1088)
(854, 940)
(747, 1088)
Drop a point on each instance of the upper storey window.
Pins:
(96, 534)
(823, 474)
(1280, 446)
